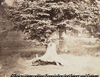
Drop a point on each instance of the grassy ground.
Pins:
(19, 63)
(82, 59)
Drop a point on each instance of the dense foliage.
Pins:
(38, 19)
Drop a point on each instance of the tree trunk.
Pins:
(50, 57)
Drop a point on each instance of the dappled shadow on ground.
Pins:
(11, 60)
(19, 63)
(9, 65)
(82, 58)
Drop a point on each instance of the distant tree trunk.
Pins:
(50, 57)
(62, 39)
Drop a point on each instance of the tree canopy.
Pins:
(38, 19)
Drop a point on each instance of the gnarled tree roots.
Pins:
(50, 57)
(40, 61)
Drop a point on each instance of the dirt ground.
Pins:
(20, 63)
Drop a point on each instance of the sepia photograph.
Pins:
(49, 37)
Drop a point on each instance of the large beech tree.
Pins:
(38, 19)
